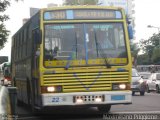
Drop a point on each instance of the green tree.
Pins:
(80, 2)
(151, 47)
(3, 31)
(156, 55)
(143, 59)
(155, 40)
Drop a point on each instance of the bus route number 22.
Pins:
(56, 99)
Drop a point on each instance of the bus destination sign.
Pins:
(82, 14)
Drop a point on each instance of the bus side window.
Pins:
(37, 36)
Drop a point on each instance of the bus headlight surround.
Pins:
(51, 89)
(119, 86)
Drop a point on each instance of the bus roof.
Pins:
(83, 7)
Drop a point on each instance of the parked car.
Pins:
(153, 83)
(137, 84)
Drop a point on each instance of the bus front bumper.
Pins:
(86, 98)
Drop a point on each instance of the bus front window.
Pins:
(63, 40)
(84, 41)
(107, 39)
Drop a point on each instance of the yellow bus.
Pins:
(73, 56)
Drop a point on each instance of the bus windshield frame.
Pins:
(86, 42)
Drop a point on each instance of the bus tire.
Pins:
(104, 108)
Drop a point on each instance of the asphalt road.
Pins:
(148, 104)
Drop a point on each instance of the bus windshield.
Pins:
(84, 41)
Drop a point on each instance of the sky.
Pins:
(147, 12)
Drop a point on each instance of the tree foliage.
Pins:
(156, 55)
(80, 2)
(151, 49)
(3, 31)
(143, 59)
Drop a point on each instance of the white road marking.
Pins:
(137, 112)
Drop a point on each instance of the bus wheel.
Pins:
(104, 108)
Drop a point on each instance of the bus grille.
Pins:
(85, 81)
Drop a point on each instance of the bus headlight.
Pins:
(122, 86)
(51, 89)
(119, 86)
(79, 100)
(98, 99)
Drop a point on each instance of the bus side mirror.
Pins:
(130, 32)
(37, 36)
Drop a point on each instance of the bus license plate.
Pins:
(118, 97)
(57, 99)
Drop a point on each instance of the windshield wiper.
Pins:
(70, 58)
(100, 50)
